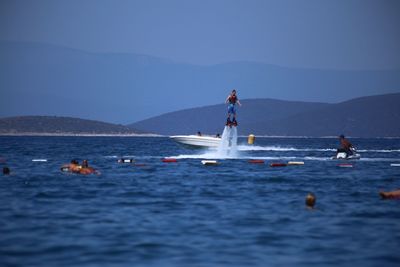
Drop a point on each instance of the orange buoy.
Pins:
(256, 161)
(278, 165)
(169, 160)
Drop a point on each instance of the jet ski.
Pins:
(341, 154)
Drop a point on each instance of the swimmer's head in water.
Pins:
(310, 200)
(6, 171)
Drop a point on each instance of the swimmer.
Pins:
(310, 200)
(391, 194)
(86, 169)
(6, 171)
(71, 167)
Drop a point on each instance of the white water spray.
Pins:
(228, 146)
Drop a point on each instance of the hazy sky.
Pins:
(320, 34)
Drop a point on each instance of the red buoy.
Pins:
(278, 164)
(256, 161)
(168, 160)
(140, 164)
(345, 165)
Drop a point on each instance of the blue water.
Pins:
(187, 214)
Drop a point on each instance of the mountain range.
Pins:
(372, 116)
(43, 79)
(38, 125)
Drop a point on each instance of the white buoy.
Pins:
(39, 160)
(126, 160)
(295, 163)
(209, 162)
(395, 164)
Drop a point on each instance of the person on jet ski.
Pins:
(345, 146)
(231, 100)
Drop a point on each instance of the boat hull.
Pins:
(197, 141)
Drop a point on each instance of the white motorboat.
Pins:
(200, 141)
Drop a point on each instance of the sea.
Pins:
(184, 213)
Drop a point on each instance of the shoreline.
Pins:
(80, 134)
(159, 135)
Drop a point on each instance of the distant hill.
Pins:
(123, 88)
(59, 125)
(373, 116)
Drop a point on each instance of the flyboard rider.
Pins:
(231, 100)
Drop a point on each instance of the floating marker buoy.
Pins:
(278, 164)
(395, 164)
(168, 160)
(126, 160)
(295, 163)
(256, 161)
(140, 164)
(209, 162)
(250, 139)
(345, 165)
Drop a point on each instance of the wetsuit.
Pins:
(231, 107)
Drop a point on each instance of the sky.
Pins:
(298, 36)
(342, 34)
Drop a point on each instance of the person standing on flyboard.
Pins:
(231, 100)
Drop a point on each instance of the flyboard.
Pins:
(230, 132)
(231, 123)
(228, 144)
